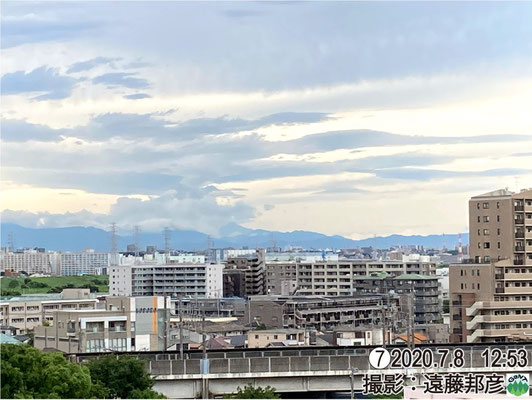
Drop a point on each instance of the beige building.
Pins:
(277, 338)
(125, 324)
(491, 297)
(27, 312)
(500, 227)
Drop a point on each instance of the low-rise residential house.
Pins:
(278, 338)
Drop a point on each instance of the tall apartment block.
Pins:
(176, 280)
(84, 262)
(30, 261)
(491, 294)
(245, 275)
(335, 278)
(422, 290)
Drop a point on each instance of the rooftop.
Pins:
(495, 193)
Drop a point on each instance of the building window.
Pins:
(478, 286)
(486, 245)
(498, 204)
(485, 205)
(498, 218)
(486, 218)
(487, 259)
(478, 218)
(486, 232)
(95, 345)
(478, 206)
(478, 232)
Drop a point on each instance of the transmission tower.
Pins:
(137, 244)
(114, 245)
(10, 242)
(166, 241)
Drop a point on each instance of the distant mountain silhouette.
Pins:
(232, 235)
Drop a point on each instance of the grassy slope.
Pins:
(55, 281)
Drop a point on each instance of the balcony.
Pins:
(499, 276)
(499, 290)
(457, 317)
(519, 249)
(519, 208)
(519, 234)
(519, 221)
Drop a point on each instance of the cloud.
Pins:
(34, 28)
(137, 96)
(121, 79)
(21, 131)
(171, 208)
(90, 64)
(43, 79)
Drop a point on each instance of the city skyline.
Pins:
(341, 118)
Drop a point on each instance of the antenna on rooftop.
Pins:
(114, 245)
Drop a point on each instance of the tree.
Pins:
(124, 376)
(12, 284)
(250, 392)
(28, 373)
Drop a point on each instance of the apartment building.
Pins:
(491, 294)
(30, 261)
(84, 262)
(252, 267)
(177, 280)
(27, 312)
(500, 227)
(420, 292)
(320, 312)
(225, 307)
(125, 324)
(336, 278)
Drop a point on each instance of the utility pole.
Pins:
(383, 316)
(165, 337)
(204, 337)
(180, 329)
(411, 320)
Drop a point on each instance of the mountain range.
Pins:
(77, 238)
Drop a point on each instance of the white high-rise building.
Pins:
(84, 262)
(196, 280)
(30, 261)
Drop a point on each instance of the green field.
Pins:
(52, 284)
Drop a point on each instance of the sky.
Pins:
(349, 118)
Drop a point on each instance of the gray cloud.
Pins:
(121, 79)
(137, 96)
(42, 79)
(19, 31)
(171, 208)
(90, 64)
(21, 131)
